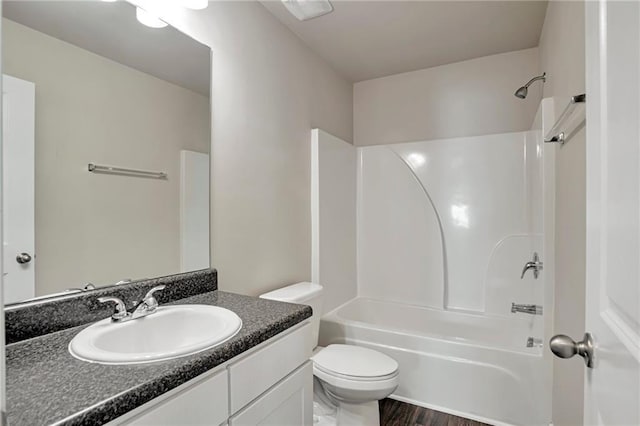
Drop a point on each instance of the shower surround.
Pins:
(444, 229)
(463, 215)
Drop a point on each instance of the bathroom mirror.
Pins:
(106, 140)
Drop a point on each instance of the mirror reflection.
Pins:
(135, 101)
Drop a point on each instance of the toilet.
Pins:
(349, 380)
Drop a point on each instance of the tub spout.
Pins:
(526, 309)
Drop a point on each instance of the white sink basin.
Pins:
(170, 332)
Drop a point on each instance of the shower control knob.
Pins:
(23, 258)
(564, 347)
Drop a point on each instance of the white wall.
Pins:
(103, 228)
(268, 91)
(467, 98)
(562, 56)
(333, 218)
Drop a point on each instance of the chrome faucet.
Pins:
(147, 306)
(535, 264)
(120, 314)
(526, 309)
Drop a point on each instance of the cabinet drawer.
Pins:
(289, 403)
(256, 373)
(203, 402)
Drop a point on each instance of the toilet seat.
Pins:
(355, 362)
(355, 367)
(355, 378)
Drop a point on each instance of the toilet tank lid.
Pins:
(294, 293)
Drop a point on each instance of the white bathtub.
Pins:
(451, 361)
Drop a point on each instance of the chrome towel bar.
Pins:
(560, 134)
(96, 168)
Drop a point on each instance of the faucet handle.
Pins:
(535, 264)
(150, 300)
(153, 290)
(121, 309)
(527, 266)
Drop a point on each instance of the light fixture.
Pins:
(109, 1)
(195, 4)
(148, 19)
(308, 9)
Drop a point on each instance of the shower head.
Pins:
(522, 91)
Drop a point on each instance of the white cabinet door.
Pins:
(289, 403)
(201, 402)
(612, 391)
(257, 372)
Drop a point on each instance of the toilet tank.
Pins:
(305, 294)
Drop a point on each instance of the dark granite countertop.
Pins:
(46, 385)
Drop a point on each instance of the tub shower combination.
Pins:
(450, 257)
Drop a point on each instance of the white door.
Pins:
(612, 387)
(18, 130)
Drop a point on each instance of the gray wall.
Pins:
(562, 56)
(268, 91)
(469, 98)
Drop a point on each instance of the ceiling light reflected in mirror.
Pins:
(148, 19)
(149, 14)
(195, 4)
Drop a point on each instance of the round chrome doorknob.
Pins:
(564, 347)
(23, 258)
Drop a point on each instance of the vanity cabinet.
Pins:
(203, 401)
(256, 372)
(290, 402)
(270, 384)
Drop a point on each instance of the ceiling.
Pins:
(111, 30)
(369, 39)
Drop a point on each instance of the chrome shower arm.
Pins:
(542, 77)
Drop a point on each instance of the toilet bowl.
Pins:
(355, 374)
(349, 380)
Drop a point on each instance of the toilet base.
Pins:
(329, 412)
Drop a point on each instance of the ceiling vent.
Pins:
(308, 9)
